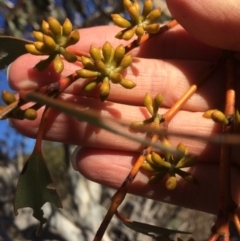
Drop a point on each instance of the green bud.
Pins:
(32, 49)
(119, 53)
(136, 5)
(38, 35)
(45, 28)
(166, 143)
(55, 26)
(147, 7)
(127, 35)
(39, 46)
(152, 28)
(148, 103)
(154, 15)
(116, 78)
(171, 183)
(104, 89)
(182, 148)
(87, 62)
(127, 83)
(148, 167)
(95, 53)
(58, 64)
(70, 57)
(90, 86)
(187, 161)
(8, 97)
(73, 38)
(208, 114)
(139, 31)
(136, 124)
(108, 52)
(100, 67)
(125, 62)
(67, 27)
(219, 117)
(159, 161)
(134, 14)
(120, 21)
(49, 43)
(30, 114)
(84, 73)
(157, 102)
(157, 177)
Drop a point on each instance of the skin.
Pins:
(167, 64)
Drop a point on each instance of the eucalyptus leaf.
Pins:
(10, 49)
(33, 189)
(151, 230)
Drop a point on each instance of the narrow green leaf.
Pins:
(150, 230)
(10, 49)
(33, 188)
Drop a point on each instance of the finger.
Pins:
(176, 43)
(62, 128)
(214, 22)
(111, 168)
(171, 78)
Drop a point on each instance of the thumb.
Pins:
(215, 23)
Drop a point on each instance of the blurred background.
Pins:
(84, 202)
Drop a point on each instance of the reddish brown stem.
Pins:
(122, 191)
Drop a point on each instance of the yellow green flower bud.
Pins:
(70, 57)
(120, 21)
(49, 43)
(30, 114)
(157, 177)
(136, 124)
(38, 35)
(148, 167)
(8, 97)
(136, 6)
(149, 159)
(55, 26)
(73, 38)
(127, 83)
(126, 61)
(84, 73)
(237, 122)
(219, 117)
(87, 62)
(127, 35)
(58, 64)
(116, 78)
(39, 46)
(148, 103)
(100, 67)
(127, 3)
(45, 28)
(154, 15)
(95, 53)
(90, 86)
(108, 53)
(159, 161)
(119, 53)
(152, 28)
(166, 143)
(147, 7)
(32, 49)
(171, 183)
(67, 27)
(157, 102)
(139, 31)
(208, 114)
(186, 161)
(182, 148)
(104, 89)
(134, 14)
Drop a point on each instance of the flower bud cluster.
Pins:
(104, 67)
(152, 106)
(140, 22)
(17, 113)
(53, 41)
(217, 116)
(167, 164)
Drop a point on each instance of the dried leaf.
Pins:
(10, 49)
(33, 188)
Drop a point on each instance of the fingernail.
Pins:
(27, 85)
(73, 158)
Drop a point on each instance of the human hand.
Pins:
(167, 64)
